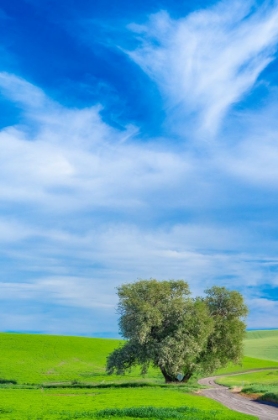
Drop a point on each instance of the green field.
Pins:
(87, 404)
(64, 378)
(30, 358)
(262, 344)
(265, 377)
(37, 359)
(248, 363)
(260, 350)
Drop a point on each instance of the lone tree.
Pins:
(166, 328)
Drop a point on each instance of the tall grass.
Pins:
(148, 412)
(114, 403)
(154, 413)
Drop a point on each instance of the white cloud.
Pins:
(70, 159)
(58, 170)
(251, 153)
(13, 230)
(206, 62)
(93, 264)
(263, 313)
(70, 291)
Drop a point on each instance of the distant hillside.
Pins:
(262, 344)
(35, 358)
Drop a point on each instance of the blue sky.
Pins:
(138, 140)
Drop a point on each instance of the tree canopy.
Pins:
(166, 328)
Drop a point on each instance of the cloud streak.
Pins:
(208, 61)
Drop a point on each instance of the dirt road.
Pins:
(236, 402)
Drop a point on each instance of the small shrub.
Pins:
(270, 396)
(8, 381)
(75, 382)
(5, 411)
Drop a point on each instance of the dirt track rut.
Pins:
(236, 402)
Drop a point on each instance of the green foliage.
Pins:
(169, 330)
(7, 381)
(261, 345)
(270, 396)
(225, 343)
(262, 391)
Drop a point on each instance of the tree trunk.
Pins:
(187, 376)
(171, 378)
(168, 378)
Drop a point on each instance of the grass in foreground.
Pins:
(154, 403)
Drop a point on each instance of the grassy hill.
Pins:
(262, 344)
(65, 362)
(30, 358)
(33, 359)
(260, 352)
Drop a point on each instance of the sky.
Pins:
(137, 140)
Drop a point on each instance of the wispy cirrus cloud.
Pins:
(206, 62)
(70, 157)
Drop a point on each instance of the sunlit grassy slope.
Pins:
(248, 363)
(262, 344)
(260, 350)
(264, 377)
(29, 358)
